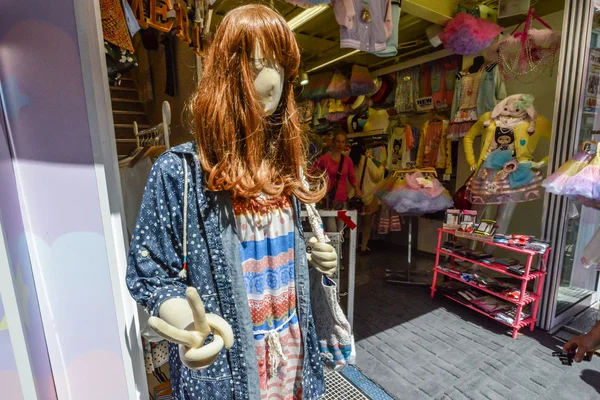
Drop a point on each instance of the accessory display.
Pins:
(533, 50)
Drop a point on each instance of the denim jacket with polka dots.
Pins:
(214, 268)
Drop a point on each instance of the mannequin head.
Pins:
(268, 79)
(518, 106)
(246, 121)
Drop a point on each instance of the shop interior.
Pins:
(407, 111)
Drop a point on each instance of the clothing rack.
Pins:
(405, 276)
(162, 128)
(363, 135)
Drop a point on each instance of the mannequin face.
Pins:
(268, 80)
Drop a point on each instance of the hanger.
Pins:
(429, 170)
(148, 141)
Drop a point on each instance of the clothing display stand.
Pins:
(336, 241)
(405, 277)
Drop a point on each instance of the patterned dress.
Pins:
(266, 234)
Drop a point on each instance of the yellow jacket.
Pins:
(525, 144)
(444, 157)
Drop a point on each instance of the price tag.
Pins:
(446, 177)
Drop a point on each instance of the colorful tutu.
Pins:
(556, 182)
(414, 194)
(587, 181)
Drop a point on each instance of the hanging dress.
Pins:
(466, 116)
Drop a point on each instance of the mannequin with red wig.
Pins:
(249, 162)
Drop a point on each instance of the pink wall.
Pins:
(62, 231)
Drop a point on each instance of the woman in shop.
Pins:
(339, 170)
(214, 207)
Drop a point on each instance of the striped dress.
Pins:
(266, 234)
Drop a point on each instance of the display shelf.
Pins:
(487, 240)
(533, 298)
(529, 298)
(497, 268)
(523, 323)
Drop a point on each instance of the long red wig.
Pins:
(243, 150)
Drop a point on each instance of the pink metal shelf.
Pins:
(492, 243)
(497, 268)
(526, 299)
(523, 323)
(533, 299)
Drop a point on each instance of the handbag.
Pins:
(334, 333)
(333, 329)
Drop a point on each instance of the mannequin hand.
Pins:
(357, 192)
(193, 352)
(323, 257)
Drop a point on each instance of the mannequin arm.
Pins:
(475, 131)
(543, 127)
(152, 270)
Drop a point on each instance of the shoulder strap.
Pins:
(337, 177)
(362, 175)
(183, 272)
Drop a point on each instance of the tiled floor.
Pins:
(418, 348)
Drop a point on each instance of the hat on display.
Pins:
(385, 88)
(339, 87)
(361, 81)
(316, 89)
(378, 121)
(322, 126)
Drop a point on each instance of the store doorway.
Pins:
(579, 285)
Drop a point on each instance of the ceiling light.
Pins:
(306, 16)
(334, 60)
(303, 77)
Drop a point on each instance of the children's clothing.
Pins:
(474, 95)
(434, 149)
(355, 33)
(391, 44)
(407, 89)
(399, 146)
(504, 173)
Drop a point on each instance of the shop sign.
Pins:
(158, 11)
(425, 103)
